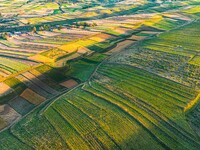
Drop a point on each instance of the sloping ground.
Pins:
(194, 119)
(8, 114)
(121, 108)
(69, 83)
(33, 86)
(39, 83)
(32, 97)
(21, 105)
(4, 89)
(173, 54)
(11, 65)
(169, 43)
(51, 83)
(121, 46)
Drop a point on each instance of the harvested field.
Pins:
(2, 124)
(83, 50)
(150, 32)
(77, 31)
(18, 49)
(48, 33)
(101, 37)
(4, 73)
(121, 46)
(32, 97)
(8, 114)
(137, 38)
(5, 89)
(123, 30)
(178, 16)
(69, 83)
(30, 36)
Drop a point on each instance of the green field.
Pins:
(11, 65)
(86, 66)
(99, 75)
(173, 54)
(178, 44)
(119, 108)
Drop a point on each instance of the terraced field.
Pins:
(117, 109)
(92, 75)
(174, 57)
(179, 44)
(11, 66)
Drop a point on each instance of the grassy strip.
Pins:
(192, 104)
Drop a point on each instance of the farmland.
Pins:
(172, 57)
(99, 75)
(91, 114)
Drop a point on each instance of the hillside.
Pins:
(99, 75)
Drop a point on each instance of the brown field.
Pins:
(69, 83)
(32, 44)
(32, 97)
(48, 33)
(120, 46)
(4, 73)
(178, 16)
(76, 31)
(83, 50)
(101, 37)
(137, 38)
(8, 114)
(2, 123)
(150, 32)
(4, 89)
(123, 30)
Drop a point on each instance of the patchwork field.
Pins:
(116, 94)
(174, 57)
(99, 74)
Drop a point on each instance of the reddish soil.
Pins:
(69, 83)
